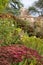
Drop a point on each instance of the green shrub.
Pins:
(32, 42)
(9, 33)
(6, 31)
(3, 5)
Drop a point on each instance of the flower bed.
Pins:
(16, 53)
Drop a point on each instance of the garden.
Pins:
(20, 44)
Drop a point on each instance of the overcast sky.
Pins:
(28, 3)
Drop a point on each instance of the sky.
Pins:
(28, 3)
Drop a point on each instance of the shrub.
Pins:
(9, 33)
(6, 31)
(38, 28)
(27, 26)
(32, 42)
(16, 53)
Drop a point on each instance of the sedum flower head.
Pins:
(16, 53)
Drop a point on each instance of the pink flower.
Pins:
(16, 53)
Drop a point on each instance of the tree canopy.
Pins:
(39, 4)
(37, 7)
(15, 6)
(3, 4)
(12, 6)
(32, 10)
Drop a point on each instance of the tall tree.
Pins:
(3, 4)
(39, 4)
(32, 10)
(37, 7)
(12, 6)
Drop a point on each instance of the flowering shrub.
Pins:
(3, 62)
(9, 32)
(16, 53)
(6, 31)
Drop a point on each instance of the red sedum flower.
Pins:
(16, 53)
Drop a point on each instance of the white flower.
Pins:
(12, 24)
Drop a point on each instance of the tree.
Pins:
(15, 6)
(33, 10)
(12, 6)
(3, 4)
(39, 4)
(37, 7)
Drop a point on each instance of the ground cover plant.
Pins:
(16, 53)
